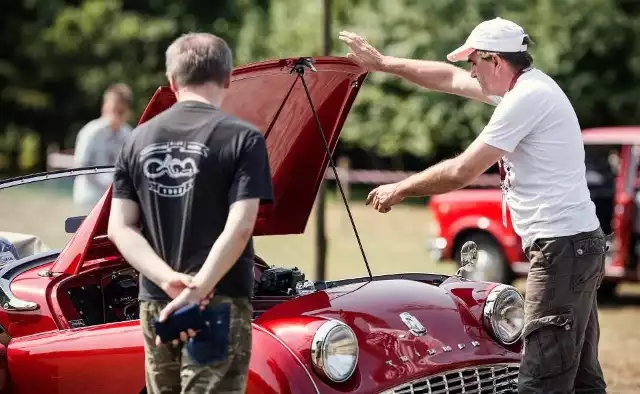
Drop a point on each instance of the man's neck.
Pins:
(208, 96)
(510, 79)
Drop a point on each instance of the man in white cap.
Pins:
(535, 137)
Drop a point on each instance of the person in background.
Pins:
(99, 142)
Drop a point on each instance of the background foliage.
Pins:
(58, 56)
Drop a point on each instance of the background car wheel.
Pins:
(492, 265)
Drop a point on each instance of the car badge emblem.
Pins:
(414, 325)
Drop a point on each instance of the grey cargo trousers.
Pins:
(562, 332)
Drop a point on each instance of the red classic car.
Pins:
(612, 156)
(69, 314)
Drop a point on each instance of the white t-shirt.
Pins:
(545, 185)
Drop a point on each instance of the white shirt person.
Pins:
(535, 136)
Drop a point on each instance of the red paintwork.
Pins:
(460, 211)
(46, 355)
(451, 314)
(78, 361)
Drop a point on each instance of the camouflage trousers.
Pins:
(170, 370)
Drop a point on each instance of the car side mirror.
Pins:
(72, 224)
(468, 257)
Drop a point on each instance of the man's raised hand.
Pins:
(362, 53)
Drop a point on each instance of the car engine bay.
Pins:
(110, 294)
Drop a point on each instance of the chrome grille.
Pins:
(486, 379)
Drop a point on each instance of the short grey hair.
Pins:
(198, 58)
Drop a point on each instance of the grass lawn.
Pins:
(394, 242)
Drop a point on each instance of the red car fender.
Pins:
(275, 368)
(505, 236)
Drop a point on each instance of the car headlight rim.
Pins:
(319, 345)
(496, 296)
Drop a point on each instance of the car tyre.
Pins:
(492, 266)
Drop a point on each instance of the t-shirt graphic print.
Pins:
(168, 163)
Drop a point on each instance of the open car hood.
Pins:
(271, 96)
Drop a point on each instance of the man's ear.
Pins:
(227, 83)
(172, 84)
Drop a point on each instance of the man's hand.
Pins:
(185, 297)
(363, 53)
(382, 198)
(176, 283)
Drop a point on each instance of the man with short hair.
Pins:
(194, 177)
(99, 142)
(535, 136)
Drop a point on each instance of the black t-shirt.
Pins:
(185, 167)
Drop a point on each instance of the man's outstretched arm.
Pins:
(446, 176)
(436, 75)
(433, 75)
(452, 174)
(512, 121)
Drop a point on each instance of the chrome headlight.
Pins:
(334, 351)
(504, 314)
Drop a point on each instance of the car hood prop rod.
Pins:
(299, 68)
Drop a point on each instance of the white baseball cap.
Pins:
(494, 35)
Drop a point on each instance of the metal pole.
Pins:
(321, 236)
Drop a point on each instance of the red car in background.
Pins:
(69, 309)
(612, 156)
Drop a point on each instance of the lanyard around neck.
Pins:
(515, 77)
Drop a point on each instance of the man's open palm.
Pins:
(362, 52)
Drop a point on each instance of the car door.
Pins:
(104, 359)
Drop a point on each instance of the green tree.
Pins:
(59, 56)
(587, 45)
